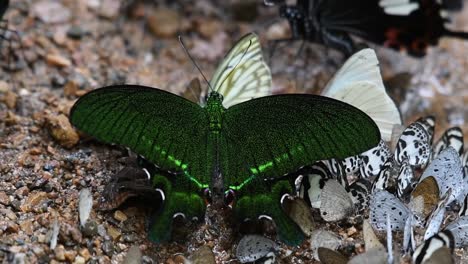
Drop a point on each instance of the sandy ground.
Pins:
(84, 44)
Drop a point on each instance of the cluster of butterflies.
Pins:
(237, 145)
(245, 155)
(411, 187)
(410, 25)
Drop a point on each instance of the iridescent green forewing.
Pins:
(166, 129)
(269, 137)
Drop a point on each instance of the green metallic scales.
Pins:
(248, 147)
(214, 107)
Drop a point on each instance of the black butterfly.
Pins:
(410, 25)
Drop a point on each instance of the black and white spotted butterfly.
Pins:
(441, 243)
(414, 144)
(452, 137)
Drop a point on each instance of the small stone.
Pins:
(323, 238)
(113, 232)
(70, 255)
(209, 27)
(108, 247)
(58, 60)
(85, 254)
(50, 11)
(33, 200)
(370, 238)
(300, 213)
(277, 31)
(164, 22)
(62, 131)
(69, 233)
(75, 32)
(27, 227)
(101, 230)
(11, 227)
(90, 229)
(70, 89)
(203, 255)
(4, 87)
(109, 8)
(120, 216)
(129, 238)
(4, 199)
(60, 253)
(351, 231)
(133, 256)
(9, 214)
(9, 99)
(79, 260)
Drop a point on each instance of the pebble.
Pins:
(108, 247)
(60, 253)
(300, 213)
(62, 131)
(75, 32)
(84, 253)
(33, 200)
(323, 238)
(27, 227)
(133, 256)
(109, 8)
(113, 232)
(203, 255)
(9, 98)
(4, 199)
(79, 260)
(370, 238)
(70, 255)
(4, 87)
(164, 22)
(91, 229)
(9, 214)
(209, 27)
(57, 60)
(120, 216)
(50, 11)
(70, 89)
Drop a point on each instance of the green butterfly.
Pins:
(247, 148)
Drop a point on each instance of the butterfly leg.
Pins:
(181, 197)
(268, 203)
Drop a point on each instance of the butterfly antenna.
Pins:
(235, 66)
(194, 62)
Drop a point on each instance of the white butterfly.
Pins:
(360, 84)
(241, 76)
